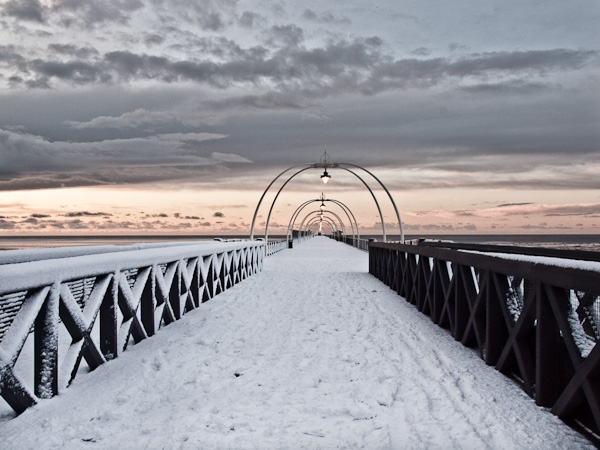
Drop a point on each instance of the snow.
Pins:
(313, 352)
(26, 275)
(592, 266)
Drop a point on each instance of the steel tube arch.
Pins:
(325, 165)
(265, 193)
(325, 222)
(389, 196)
(344, 208)
(374, 198)
(275, 199)
(325, 212)
(308, 217)
(310, 167)
(317, 217)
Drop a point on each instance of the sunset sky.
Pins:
(172, 116)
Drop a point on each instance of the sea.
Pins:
(559, 241)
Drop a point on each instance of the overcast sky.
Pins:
(174, 115)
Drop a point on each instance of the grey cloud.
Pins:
(76, 72)
(30, 162)
(360, 65)
(520, 87)
(85, 214)
(10, 57)
(6, 225)
(285, 36)
(210, 15)
(326, 17)
(91, 12)
(153, 39)
(421, 51)
(29, 10)
(505, 205)
(250, 19)
(73, 50)
(132, 119)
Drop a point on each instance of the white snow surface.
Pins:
(311, 353)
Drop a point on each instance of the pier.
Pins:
(309, 350)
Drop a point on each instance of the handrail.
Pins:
(121, 296)
(535, 318)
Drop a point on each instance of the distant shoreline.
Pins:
(573, 241)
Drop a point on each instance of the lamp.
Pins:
(325, 177)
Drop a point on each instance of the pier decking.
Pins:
(312, 352)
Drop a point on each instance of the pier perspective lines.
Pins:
(312, 352)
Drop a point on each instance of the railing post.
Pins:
(148, 303)
(46, 345)
(109, 340)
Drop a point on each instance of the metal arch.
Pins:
(343, 228)
(374, 198)
(324, 223)
(311, 220)
(296, 212)
(328, 212)
(325, 164)
(344, 208)
(267, 189)
(275, 199)
(389, 195)
(351, 213)
(324, 230)
(315, 221)
(327, 222)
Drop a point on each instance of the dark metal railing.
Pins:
(533, 316)
(361, 244)
(102, 303)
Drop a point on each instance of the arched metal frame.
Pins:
(328, 224)
(325, 165)
(347, 211)
(324, 212)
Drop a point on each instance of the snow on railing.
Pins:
(535, 317)
(273, 247)
(98, 304)
(361, 244)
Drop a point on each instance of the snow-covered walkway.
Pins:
(314, 353)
